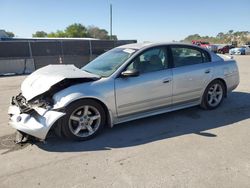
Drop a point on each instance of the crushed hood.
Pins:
(45, 78)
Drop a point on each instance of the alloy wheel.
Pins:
(215, 95)
(84, 121)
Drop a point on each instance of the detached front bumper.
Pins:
(36, 123)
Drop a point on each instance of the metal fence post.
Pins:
(61, 59)
(90, 51)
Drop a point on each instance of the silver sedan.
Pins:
(126, 83)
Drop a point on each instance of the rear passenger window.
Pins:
(183, 56)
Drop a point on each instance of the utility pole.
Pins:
(111, 22)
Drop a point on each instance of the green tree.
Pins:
(40, 34)
(76, 30)
(57, 34)
(220, 35)
(96, 32)
(230, 32)
(52, 35)
(192, 37)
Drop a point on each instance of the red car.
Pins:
(224, 49)
(200, 43)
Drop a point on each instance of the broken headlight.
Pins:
(41, 102)
(27, 106)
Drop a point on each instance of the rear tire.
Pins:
(213, 95)
(84, 119)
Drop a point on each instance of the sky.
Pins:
(144, 20)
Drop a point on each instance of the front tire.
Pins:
(213, 95)
(84, 119)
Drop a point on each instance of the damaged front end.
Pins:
(32, 111)
(32, 118)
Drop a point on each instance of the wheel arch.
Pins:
(220, 79)
(57, 126)
(204, 92)
(108, 113)
(224, 84)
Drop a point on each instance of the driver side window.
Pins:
(154, 59)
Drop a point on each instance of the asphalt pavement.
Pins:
(186, 148)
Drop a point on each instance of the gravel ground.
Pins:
(187, 148)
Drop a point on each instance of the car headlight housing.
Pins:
(42, 103)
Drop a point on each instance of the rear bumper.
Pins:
(232, 81)
(37, 123)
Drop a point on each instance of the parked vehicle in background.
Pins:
(224, 49)
(204, 44)
(243, 50)
(213, 48)
(126, 83)
(200, 43)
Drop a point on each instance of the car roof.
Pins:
(139, 46)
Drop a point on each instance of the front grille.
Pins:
(21, 102)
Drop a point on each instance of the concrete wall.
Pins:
(16, 66)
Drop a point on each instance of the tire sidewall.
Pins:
(205, 103)
(71, 108)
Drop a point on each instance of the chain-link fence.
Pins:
(14, 55)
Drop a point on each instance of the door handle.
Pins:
(167, 80)
(207, 71)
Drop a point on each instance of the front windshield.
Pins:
(109, 62)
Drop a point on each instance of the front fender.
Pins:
(65, 97)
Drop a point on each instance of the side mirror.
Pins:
(130, 73)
